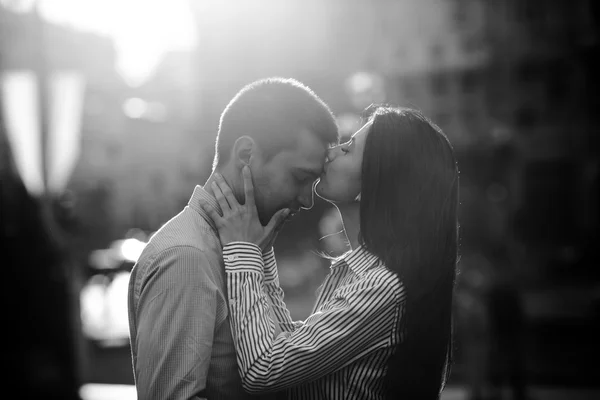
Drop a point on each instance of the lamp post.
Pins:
(41, 110)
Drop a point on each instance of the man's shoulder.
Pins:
(186, 229)
(186, 236)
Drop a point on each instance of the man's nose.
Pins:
(306, 199)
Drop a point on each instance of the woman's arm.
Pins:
(275, 293)
(360, 319)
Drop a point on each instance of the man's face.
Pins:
(286, 180)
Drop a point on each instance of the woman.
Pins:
(381, 327)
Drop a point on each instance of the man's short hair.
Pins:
(273, 111)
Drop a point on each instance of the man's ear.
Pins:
(243, 150)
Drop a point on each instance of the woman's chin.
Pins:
(324, 193)
(321, 190)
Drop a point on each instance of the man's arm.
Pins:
(275, 293)
(176, 320)
(358, 321)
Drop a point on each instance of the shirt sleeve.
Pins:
(358, 320)
(275, 293)
(176, 317)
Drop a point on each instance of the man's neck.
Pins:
(351, 220)
(232, 181)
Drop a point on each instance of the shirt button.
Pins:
(232, 257)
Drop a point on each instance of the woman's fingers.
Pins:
(226, 190)
(221, 198)
(248, 187)
(276, 221)
(210, 211)
(272, 232)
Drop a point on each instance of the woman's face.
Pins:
(341, 181)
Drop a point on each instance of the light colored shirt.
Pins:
(339, 352)
(180, 333)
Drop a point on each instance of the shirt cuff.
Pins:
(242, 257)
(270, 267)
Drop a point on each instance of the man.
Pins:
(178, 317)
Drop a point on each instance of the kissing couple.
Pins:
(204, 297)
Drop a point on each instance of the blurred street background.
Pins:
(108, 114)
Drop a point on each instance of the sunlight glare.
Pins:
(131, 249)
(143, 30)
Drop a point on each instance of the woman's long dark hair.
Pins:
(408, 218)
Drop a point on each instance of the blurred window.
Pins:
(442, 119)
(549, 202)
(557, 81)
(469, 81)
(406, 88)
(469, 117)
(460, 12)
(439, 83)
(526, 71)
(437, 52)
(525, 117)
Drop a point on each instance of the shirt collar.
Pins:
(201, 194)
(359, 260)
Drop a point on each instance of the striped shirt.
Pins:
(180, 334)
(339, 352)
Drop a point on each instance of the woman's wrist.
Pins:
(243, 256)
(241, 245)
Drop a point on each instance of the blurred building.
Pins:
(513, 86)
(435, 58)
(141, 144)
(544, 84)
(418, 46)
